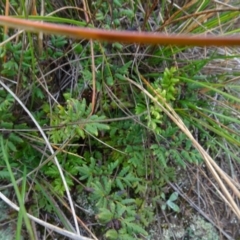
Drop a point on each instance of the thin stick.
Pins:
(208, 160)
(5, 31)
(86, 12)
(45, 224)
(51, 150)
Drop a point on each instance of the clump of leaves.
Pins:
(170, 202)
(17, 58)
(165, 86)
(74, 119)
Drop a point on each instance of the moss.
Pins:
(199, 229)
(6, 234)
(6, 229)
(174, 231)
(7, 223)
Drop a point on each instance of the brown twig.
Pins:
(121, 36)
(86, 12)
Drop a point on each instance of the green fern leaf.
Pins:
(105, 215)
(11, 146)
(112, 234)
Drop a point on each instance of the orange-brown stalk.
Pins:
(121, 36)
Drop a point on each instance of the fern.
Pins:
(68, 163)
(71, 121)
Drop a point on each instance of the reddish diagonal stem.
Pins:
(121, 36)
